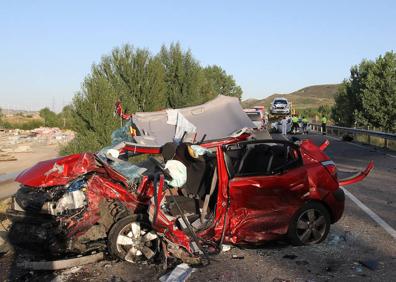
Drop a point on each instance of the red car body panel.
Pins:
(357, 177)
(59, 171)
(261, 206)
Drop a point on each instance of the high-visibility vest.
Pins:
(294, 119)
(324, 120)
(304, 120)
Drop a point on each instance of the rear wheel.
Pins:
(310, 225)
(132, 239)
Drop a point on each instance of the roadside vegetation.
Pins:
(368, 97)
(142, 81)
(29, 121)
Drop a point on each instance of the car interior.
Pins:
(197, 197)
(254, 159)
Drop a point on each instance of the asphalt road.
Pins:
(356, 240)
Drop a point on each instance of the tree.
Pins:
(183, 77)
(324, 110)
(220, 83)
(368, 97)
(50, 118)
(128, 74)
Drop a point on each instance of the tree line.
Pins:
(48, 118)
(368, 97)
(173, 78)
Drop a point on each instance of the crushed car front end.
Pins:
(68, 204)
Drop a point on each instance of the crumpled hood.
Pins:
(57, 171)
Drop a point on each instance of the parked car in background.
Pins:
(258, 116)
(280, 106)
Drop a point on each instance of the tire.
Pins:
(132, 239)
(310, 224)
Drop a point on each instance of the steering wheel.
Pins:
(161, 167)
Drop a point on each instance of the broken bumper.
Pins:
(336, 203)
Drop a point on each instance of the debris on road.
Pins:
(302, 262)
(225, 248)
(371, 264)
(280, 280)
(179, 274)
(65, 275)
(238, 257)
(61, 264)
(289, 256)
(335, 239)
(347, 138)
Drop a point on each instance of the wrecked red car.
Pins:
(233, 191)
(186, 198)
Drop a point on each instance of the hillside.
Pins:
(305, 98)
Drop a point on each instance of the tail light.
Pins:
(331, 168)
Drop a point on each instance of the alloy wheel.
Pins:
(311, 226)
(136, 242)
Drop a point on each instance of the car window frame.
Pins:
(242, 145)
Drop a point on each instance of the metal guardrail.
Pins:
(340, 131)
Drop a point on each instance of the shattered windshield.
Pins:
(127, 169)
(122, 134)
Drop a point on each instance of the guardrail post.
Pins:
(385, 143)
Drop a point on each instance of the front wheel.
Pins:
(132, 239)
(310, 225)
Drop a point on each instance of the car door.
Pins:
(263, 201)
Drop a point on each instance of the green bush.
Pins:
(22, 125)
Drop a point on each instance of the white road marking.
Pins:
(372, 214)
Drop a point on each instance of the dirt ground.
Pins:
(24, 160)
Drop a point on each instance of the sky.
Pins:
(48, 47)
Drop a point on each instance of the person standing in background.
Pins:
(324, 122)
(284, 125)
(294, 124)
(305, 125)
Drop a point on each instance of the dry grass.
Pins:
(308, 97)
(20, 119)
